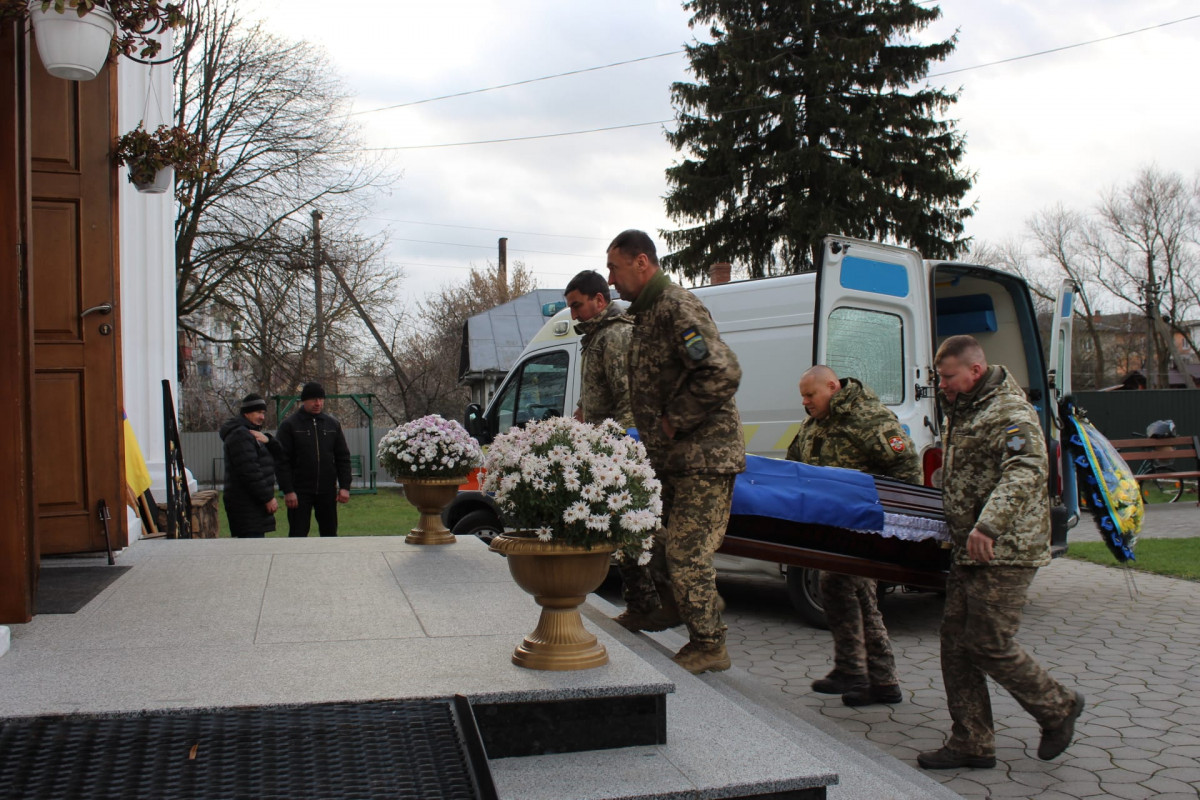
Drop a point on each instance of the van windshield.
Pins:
(537, 391)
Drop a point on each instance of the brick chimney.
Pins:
(719, 272)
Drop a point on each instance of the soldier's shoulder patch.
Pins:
(896, 443)
(694, 344)
(1015, 438)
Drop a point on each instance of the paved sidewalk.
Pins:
(1137, 659)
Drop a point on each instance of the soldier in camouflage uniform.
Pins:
(682, 382)
(603, 350)
(849, 427)
(997, 505)
(604, 394)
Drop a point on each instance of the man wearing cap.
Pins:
(314, 469)
(250, 455)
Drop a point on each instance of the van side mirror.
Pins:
(473, 421)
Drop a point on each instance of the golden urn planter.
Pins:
(430, 496)
(559, 576)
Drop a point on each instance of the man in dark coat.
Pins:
(314, 468)
(250, 455)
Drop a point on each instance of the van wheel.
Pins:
(479, 523)
(804, 590)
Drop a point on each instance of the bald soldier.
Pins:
(849, 427)
(996, 498)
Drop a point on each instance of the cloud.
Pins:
(1057, 128)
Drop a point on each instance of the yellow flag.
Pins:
(136, 474)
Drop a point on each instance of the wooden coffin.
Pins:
(921, 564)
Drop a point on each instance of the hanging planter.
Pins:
(154, 159)
(73, 46)
(164, 179)
(75, 37)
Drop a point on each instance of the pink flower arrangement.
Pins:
(429, 447)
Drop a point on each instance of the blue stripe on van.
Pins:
(876, 277)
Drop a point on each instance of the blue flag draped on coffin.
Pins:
(1106, 486)
(791, 490)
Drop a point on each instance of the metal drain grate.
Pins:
(390, 749)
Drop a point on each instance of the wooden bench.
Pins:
(1135, 451)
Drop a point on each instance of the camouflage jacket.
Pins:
(995, 473)
(604, 352)
(680, 369)
(860, 433)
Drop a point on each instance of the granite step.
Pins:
(728, 736)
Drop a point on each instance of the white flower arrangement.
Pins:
(429, 447)
(577, 483)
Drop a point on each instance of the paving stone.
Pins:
(1114, 775)
(1038, 779)
(1140, 675)
(1172, 760)
(1162, 784)
(1092, 764)
(1189, 775)
(966, 786)
(1127, 791)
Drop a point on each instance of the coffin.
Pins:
(807, 540)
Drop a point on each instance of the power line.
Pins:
(560, 134)
(581, 71)
(517, 83)
(493, 247)
(1064, 47)
(517, 138)
(405, 263)
(493, 230)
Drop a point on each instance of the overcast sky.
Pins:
(1060, 127)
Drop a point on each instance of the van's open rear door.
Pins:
(872, 323)
(1059, 382)
(1059, 378)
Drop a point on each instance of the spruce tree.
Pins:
(804, 121)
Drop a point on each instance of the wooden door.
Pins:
(17, 544)
(75, 413)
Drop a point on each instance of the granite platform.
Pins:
(218, 624)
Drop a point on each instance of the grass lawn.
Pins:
(383, 514)
(1152, 494)
(1177, 558)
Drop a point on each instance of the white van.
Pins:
(870, 311)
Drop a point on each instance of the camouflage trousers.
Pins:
(983, 613)
(681, 575)
(860, 641)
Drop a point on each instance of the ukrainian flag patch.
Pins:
(1010, 430)
(694, 344)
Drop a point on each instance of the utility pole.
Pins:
(502, 269)
(317, 216)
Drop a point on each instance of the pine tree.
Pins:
(802, 123)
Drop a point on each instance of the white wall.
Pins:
(147, 252)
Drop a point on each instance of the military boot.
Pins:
(839, 683)
(945, 758)
(1055, 740)
(657, 620)
(870, 695)
(697, 658)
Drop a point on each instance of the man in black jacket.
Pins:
(250, 455)
(314, 469)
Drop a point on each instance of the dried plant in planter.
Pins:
(145, 153)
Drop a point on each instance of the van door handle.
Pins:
(103, 308)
